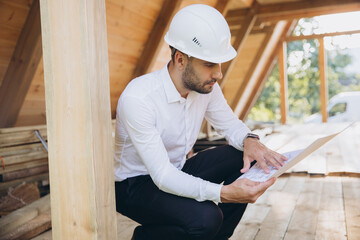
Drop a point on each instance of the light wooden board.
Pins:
(78, 112)
(293, 208)
(351, 195)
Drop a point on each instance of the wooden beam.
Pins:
(300, 9)
(240, 38)
(264, 69)
(156, 38)
(315, 36)
(283, 82)
(222, 6)
(250, 71)
(21, 69)
(323, 80)
(247, 3)
(78, 115)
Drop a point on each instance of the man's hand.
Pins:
(244, 190)
(255, 150)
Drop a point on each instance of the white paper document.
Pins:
(256, 173)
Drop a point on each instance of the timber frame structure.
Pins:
(65, 64)
(135, 34)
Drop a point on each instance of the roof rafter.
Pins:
(251, 70)
(222, 6)
(240, 38)
(156, 38)
(298, 9)
(249, 97)
(21, 69)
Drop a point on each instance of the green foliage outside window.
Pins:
(303, 82)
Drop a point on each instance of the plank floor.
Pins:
(317, 199)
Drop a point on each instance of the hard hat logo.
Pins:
(202, 32)
(196, 41)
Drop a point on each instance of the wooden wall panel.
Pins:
(129, 24)
(242, 65)
(12, 18)
(33, 110)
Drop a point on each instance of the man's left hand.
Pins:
(255, 150)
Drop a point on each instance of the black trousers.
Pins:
(165, 216)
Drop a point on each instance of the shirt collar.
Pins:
(171, 92)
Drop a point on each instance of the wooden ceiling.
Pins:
(135, 30)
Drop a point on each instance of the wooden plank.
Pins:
(300, 9)
(31, 228)
(23, 129)
(125, 229)
(21, 69)
(20, 149)
(323, 80)
(155, 40)
(240, 38)
(250, 223)
(351, 192)
(256, 213)
(17, 218)
(78, 119)
(21, 158)
(283, 202)
(24, 165)
(19, 138)
(331, 218)
(283, 82)
(26, 172)
(18, 197)
(4, 186)
(305, 216)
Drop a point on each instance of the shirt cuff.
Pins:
(213, 191)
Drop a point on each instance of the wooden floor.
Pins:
(319, 198)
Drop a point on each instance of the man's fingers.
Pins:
(273, 161)
(263, 165)
(246, 165)
(267, 184)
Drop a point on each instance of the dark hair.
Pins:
(173, 51)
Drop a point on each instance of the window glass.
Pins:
(337, 109)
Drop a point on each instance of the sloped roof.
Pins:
(135, 42)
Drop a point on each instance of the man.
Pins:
(159, 116)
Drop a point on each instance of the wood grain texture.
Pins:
(78, 113)
(21, 69)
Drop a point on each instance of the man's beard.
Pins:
(192, 82)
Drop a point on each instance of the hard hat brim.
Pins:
(230, 54)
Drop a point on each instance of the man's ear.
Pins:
(180, 60)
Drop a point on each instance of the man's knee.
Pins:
(208, 223)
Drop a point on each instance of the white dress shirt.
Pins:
(156, 128)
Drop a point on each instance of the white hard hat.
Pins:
(202, 32)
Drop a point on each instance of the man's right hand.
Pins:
(244, 190)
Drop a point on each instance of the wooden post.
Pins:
(283, 82)
(78, 115)
(323, 80)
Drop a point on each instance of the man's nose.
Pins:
(217, 73)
